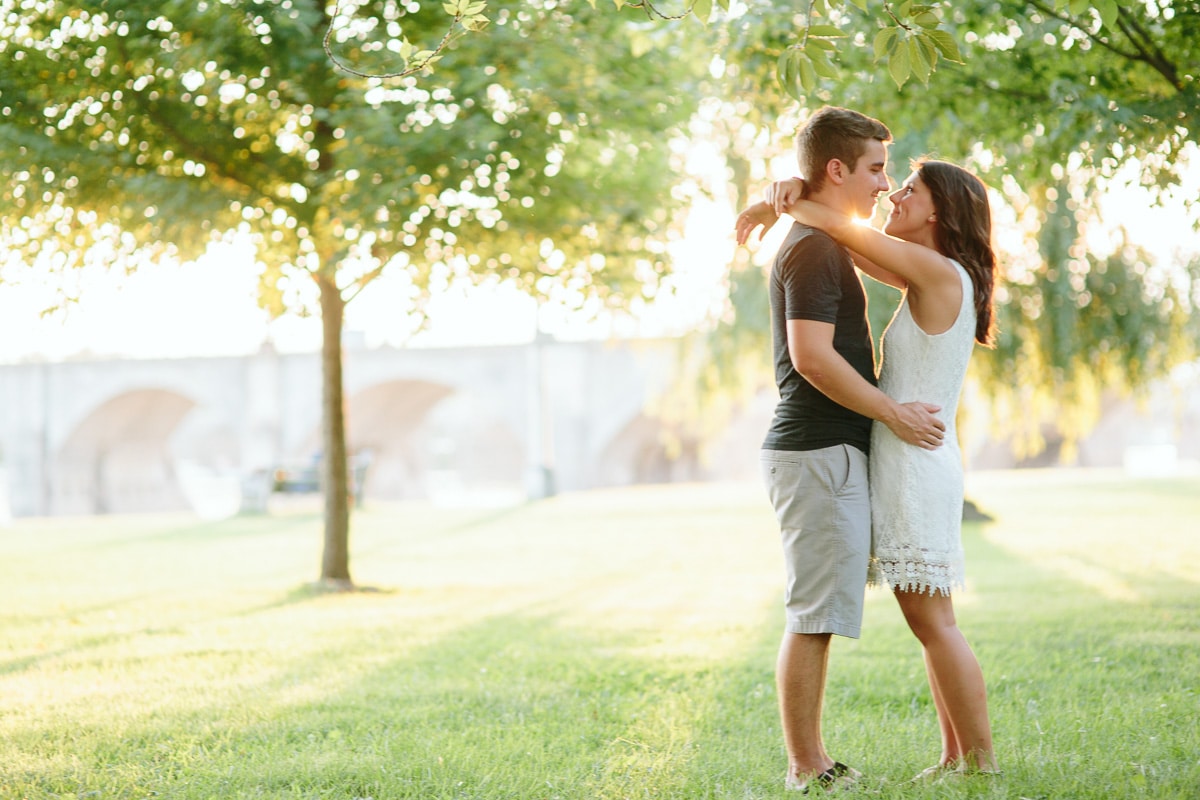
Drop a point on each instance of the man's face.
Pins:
(868, 181)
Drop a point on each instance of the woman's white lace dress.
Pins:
(917, 494)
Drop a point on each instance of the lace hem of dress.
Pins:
(916, 576)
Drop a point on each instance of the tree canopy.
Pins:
(530, 153)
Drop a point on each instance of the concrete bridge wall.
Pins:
(108, 436)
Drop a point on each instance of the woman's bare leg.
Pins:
(959, 691)
(952, 751)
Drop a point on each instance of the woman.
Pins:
(935, 247)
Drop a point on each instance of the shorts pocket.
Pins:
(840, 468)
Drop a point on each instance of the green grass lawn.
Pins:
(612, 644)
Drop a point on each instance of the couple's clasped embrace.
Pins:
(893, 519)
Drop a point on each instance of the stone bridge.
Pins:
(481, 423)
(484, 425)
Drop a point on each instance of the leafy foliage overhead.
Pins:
(526, 152)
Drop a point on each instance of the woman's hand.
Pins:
(782, 194)
(757, 215)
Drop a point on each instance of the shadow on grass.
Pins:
(513, 706)
(244, 527)
(32, 661)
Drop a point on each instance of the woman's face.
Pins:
(912, 217)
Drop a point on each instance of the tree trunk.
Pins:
(335, 562)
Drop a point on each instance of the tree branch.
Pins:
(1094, 38)
(1153, 55)
(652, 12)
(1144, 50)
(410, 67)
(355, 289)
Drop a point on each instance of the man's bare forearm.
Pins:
(914, 423)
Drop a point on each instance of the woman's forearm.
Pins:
(810, 212)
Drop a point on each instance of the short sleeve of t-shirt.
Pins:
(814, 292)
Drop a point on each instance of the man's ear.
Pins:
(835, 171)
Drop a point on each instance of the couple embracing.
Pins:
(893, 519)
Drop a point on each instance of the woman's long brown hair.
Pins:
(964, 233)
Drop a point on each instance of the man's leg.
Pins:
(822, 503)
(800, 679)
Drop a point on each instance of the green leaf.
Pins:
(795, 70)
(826, 32)
(808, 75)
(702, 10)
(946, 45)
(883, 42)
(928, 49)
(1080, 7)
(820, 44)
(916, 57)
(450, 8)
(899, 65)
(785, 73)
(927, 19)
(861, 5)
(822, 65)
(1108, 12)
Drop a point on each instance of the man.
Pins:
(814, 456)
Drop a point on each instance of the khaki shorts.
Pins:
(824, 512)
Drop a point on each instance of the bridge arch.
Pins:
(638, 453)
(422, 439)
(118, 458)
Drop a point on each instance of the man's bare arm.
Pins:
(810, 345)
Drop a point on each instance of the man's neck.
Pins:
(833, 199)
